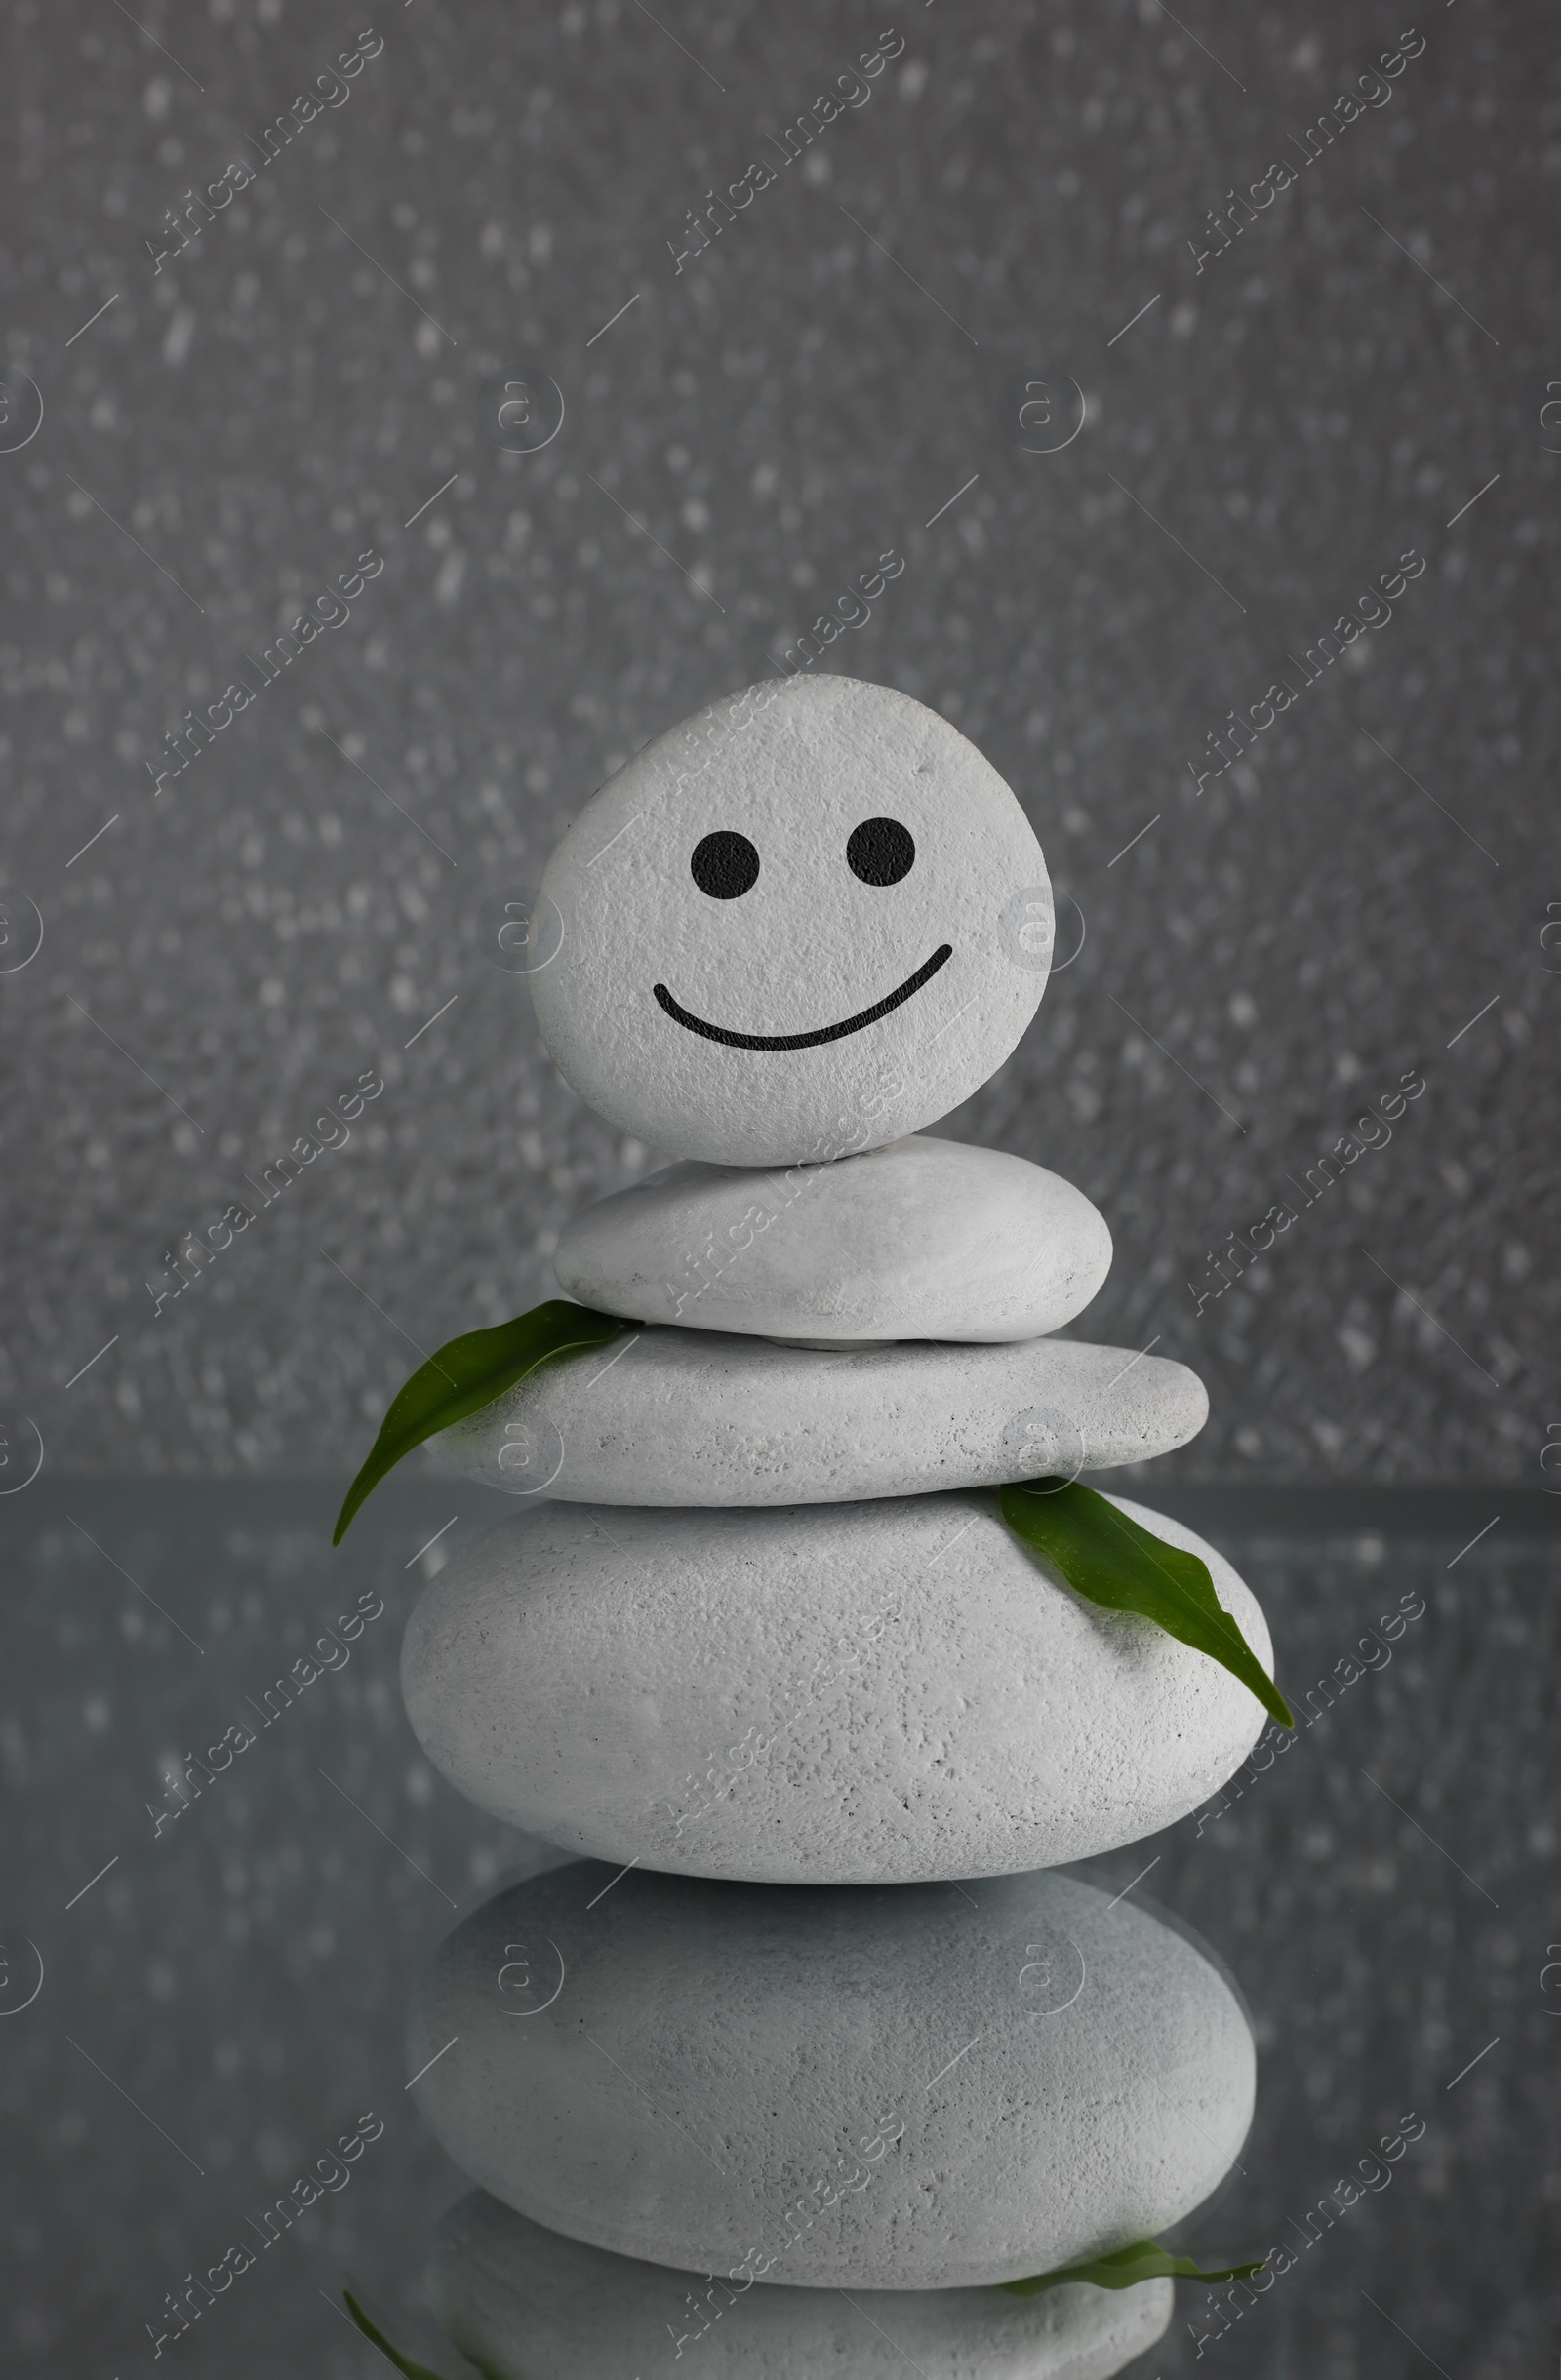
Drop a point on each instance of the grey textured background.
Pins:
(788, 407)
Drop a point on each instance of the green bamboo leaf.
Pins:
(1111, 1560)
(1125, 2266)
(469, 1373)
(404, 2363)
(392, 2354)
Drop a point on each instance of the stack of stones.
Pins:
(808, 2044)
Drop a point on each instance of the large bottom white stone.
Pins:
(915, 2087)
(528, 2304)
(685, 1417)
(877, 1693)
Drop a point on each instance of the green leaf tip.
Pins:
(1110, 1560)
(392, 2354)
(404, 2363)
(467, 1374)
(1125, 2266)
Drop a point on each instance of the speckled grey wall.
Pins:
(487, 195)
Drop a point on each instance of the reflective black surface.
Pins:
(223, 2005)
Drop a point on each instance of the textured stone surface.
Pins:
(684, 1417)
(659, 960)
(537, 2306)
(666, 2073)
(926, 1238)
(828, 1694)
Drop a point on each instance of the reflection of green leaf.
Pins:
(392, 2354)
(1125, 2266)
(404, 2363)
(1111, 1560)
(469, 1373)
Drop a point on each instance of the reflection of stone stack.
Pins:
(769, 1643)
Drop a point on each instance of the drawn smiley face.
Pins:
(786, 930)
(726, 865)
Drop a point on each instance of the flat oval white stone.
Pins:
(926, 1238)
(841, 2089)
(523, 2299)
(835, 1694)
(792, 1008)
(690, 1417)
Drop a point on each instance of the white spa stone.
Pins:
(704, 908)
(987, 2084)
(836, 1693)
(688, 1418)
(532, 2304)
(925, 1239)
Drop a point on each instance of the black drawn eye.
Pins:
(880, 851)
(726, 865)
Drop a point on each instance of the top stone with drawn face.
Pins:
(807, 922)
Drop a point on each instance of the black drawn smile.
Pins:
(807, 1040)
